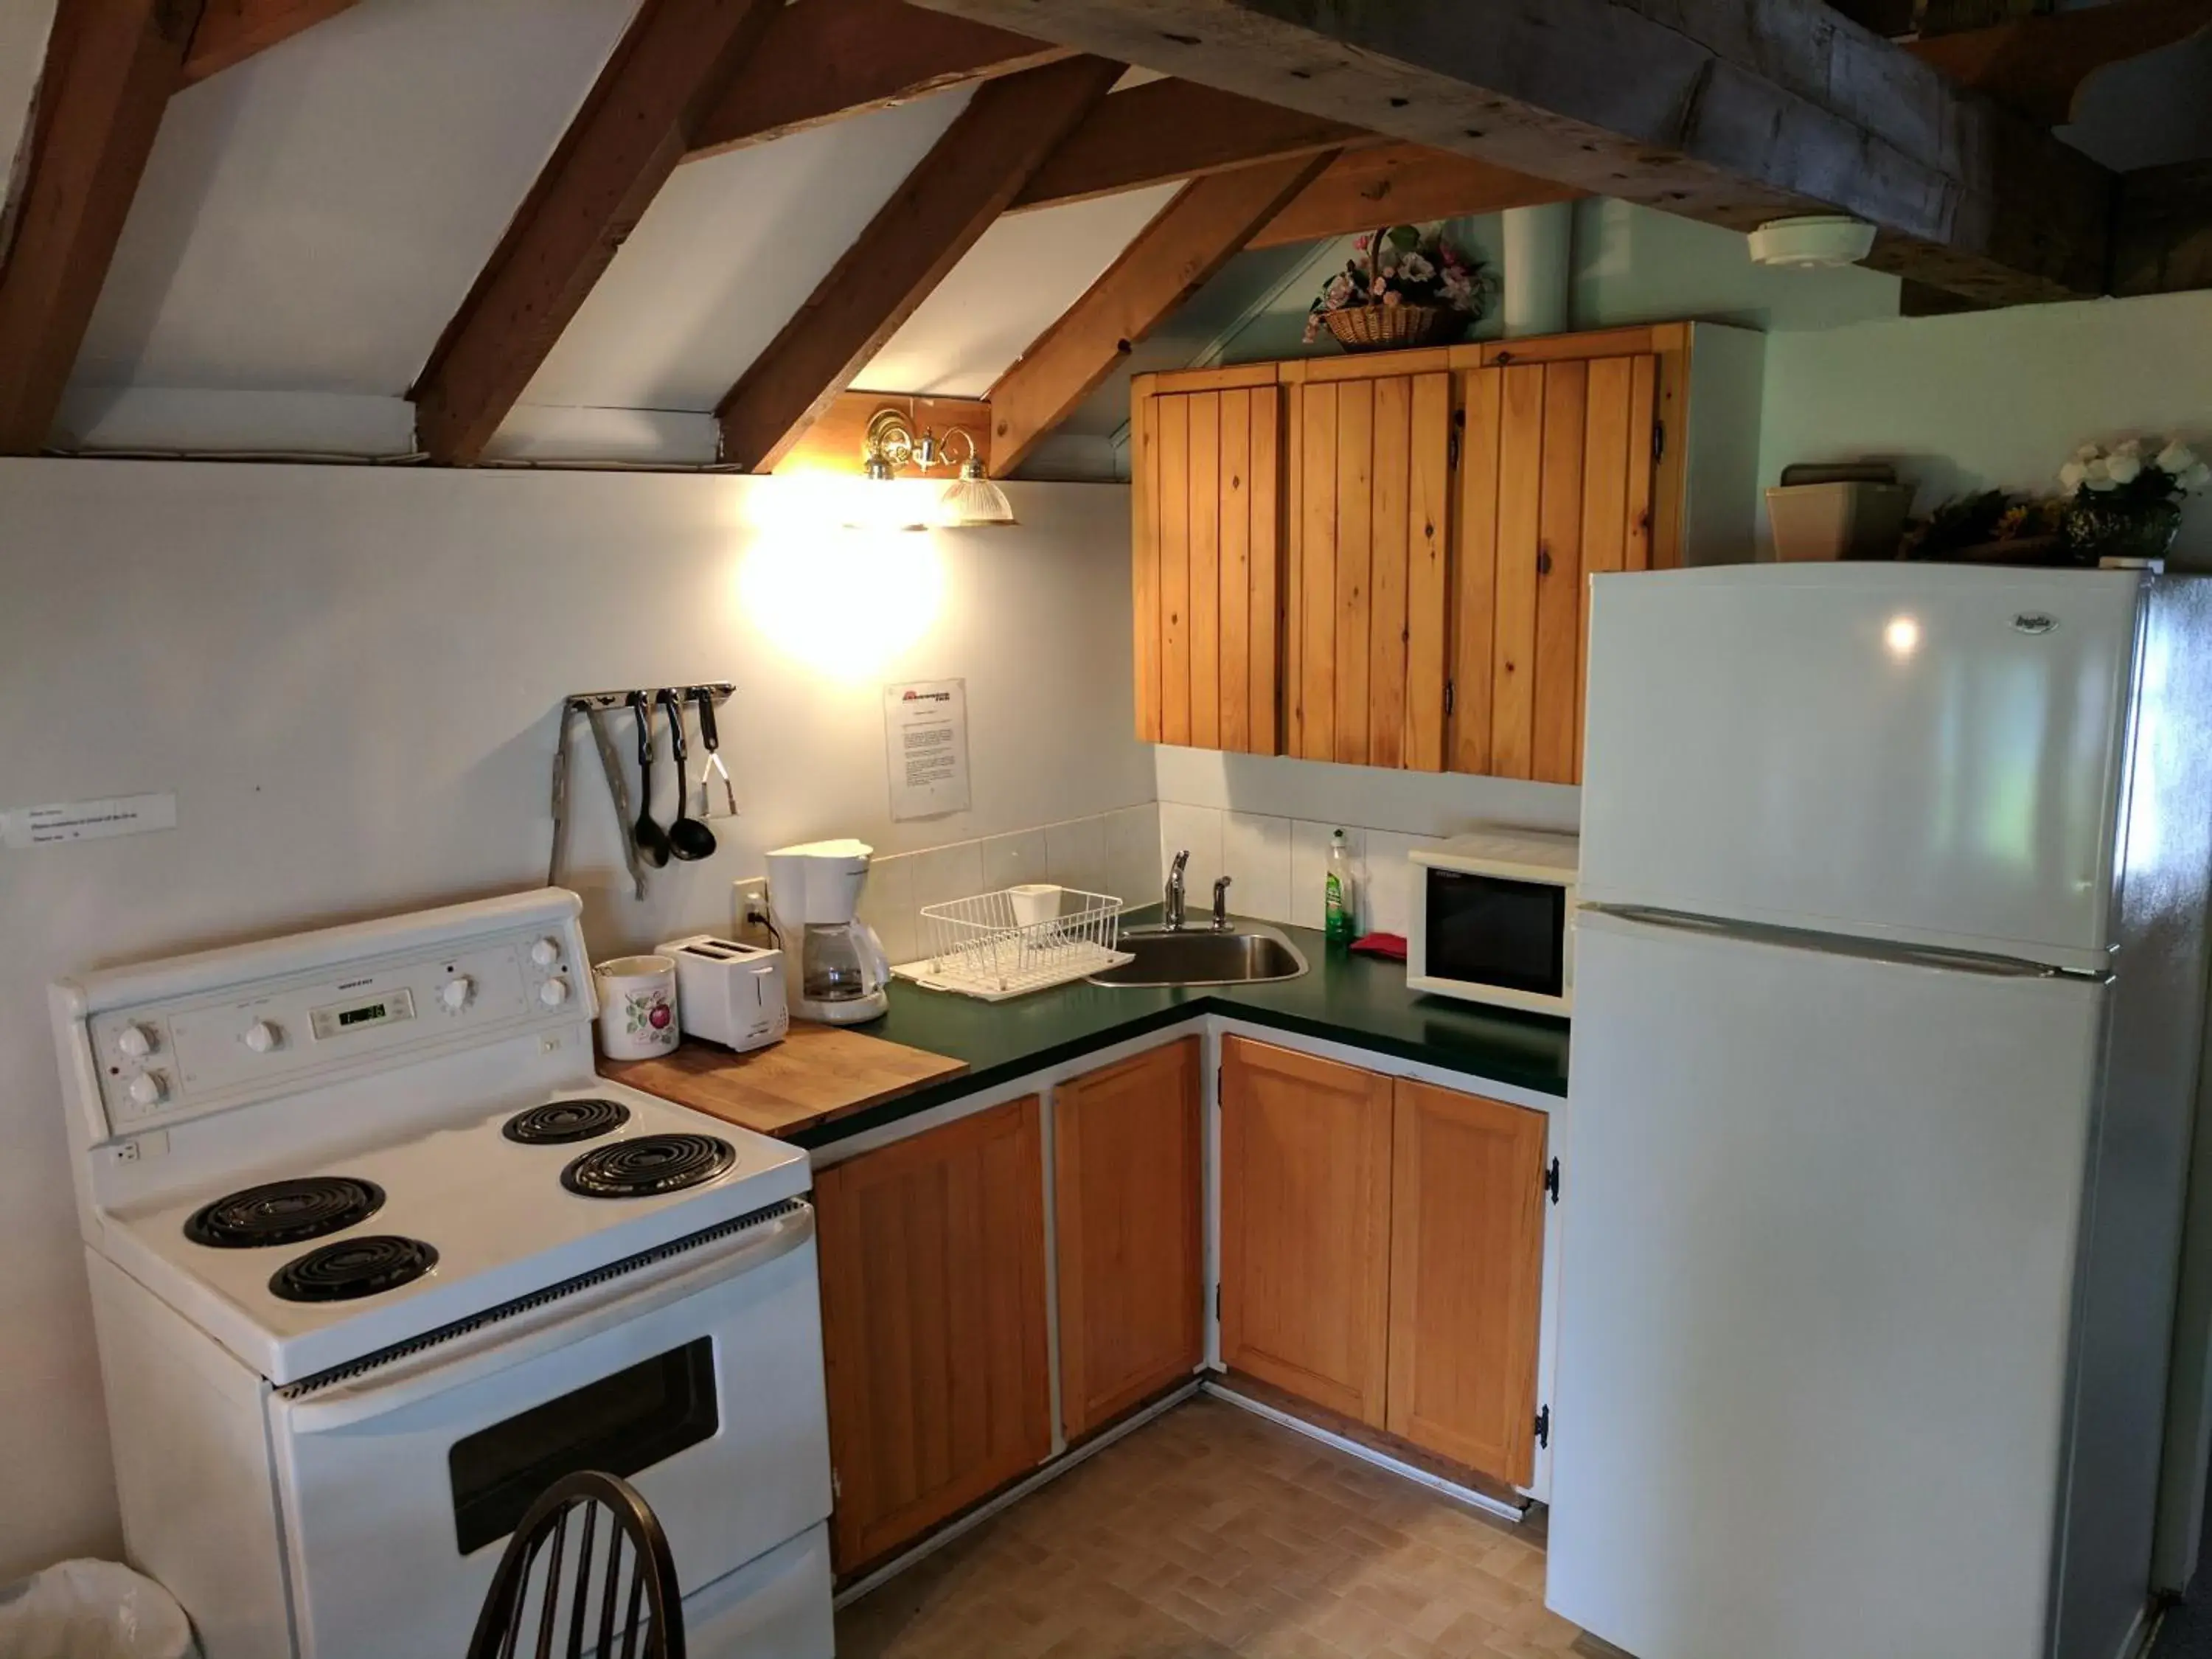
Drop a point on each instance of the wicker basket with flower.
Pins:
(1403, 287)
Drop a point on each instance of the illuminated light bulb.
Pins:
(1902, 636)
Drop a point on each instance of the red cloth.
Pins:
(1391, 946)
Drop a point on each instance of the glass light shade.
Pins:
(886, 504)
(972, 500)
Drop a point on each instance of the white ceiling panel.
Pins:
(1025, 271)
(727, 253)
(311, 218)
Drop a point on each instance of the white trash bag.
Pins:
(91, 1610)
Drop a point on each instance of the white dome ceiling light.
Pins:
(1819, 242)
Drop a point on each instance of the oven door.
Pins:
(1493, 938)
(697, 1378)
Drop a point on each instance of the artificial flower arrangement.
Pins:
(2122, 473)
(2124, 505)
(1403, 286)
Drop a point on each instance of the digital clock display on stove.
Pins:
(362, 1014)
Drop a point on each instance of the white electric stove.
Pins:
(376, 1257)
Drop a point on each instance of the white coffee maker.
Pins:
(813, 893)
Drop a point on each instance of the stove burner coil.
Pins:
(285, 1212)
(563, 1120)
(647, 1166)
(352, 1268)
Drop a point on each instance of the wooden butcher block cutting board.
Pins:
(817, 1072)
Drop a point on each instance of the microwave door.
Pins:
(1496, 939)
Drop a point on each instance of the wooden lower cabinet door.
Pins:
(1127, 1173)
(1305, 1218)
(933, 1324)
(1466, 1278)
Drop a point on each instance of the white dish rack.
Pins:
(980, 946)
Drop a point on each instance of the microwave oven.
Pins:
(1494, 920)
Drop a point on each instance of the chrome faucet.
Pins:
(1173, 906)
(1221, 905)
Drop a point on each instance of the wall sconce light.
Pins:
(971, 500)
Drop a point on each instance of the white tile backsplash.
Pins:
(1075, 856)
(887, 905)
(1386, 906)
(1113, 852)
(1009, 860)
(945, 873)
(1310, 868)
(1276, 866)
(1132, 855)
(1196, 830)
(1255, 855)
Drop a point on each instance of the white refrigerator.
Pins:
(1889, 988)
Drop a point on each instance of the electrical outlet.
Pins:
(749, 914)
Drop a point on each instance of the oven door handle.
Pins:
(500, 1343)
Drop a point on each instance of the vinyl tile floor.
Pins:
(1209, 1532)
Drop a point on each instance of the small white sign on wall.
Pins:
(926, 735)
(87, 820)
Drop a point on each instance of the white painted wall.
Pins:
(23, 28)
(350, 678)
(1997, 398)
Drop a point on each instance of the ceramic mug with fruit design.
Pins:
(637, 1007)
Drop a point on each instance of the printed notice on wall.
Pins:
(87, 820)
(926, 727)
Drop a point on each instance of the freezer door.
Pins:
(1923, 753)
(1817, 1261)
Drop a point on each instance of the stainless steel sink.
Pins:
(1246, 953)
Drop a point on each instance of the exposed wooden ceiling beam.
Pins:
(825, 59)
(2162, 236)
(948, 200)
(232, 31)
(110, 67)
(2039, 66)
(1732, 111)
(1401, 184)
(634, 128)
(1165, 130)
(1190, 240)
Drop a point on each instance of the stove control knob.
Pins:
(148, 1089)
(554, 992)
(135, 1041)
(455, 993)
(261, 1036)
(545, 952)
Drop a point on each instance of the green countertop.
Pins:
(1355, 1000)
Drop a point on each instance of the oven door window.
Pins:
(1485, 930)
(620, 1424)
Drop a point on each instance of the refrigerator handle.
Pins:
(1800, 939)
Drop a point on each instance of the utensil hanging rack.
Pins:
(718, 690)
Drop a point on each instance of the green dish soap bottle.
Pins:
(1338, 907)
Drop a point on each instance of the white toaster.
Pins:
(728, 993)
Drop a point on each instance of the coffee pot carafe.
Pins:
(814, 896)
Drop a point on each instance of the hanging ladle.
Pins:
(650, 838)
(687, 838)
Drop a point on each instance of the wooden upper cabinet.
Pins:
(1384, 559)
(933, 1324)
(1467, 1255)
(1555, 479)
(1128, 1181)
(1368, 513)
(1206, 564)
(1305, 1223)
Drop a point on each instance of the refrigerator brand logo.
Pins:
(2034, 622)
